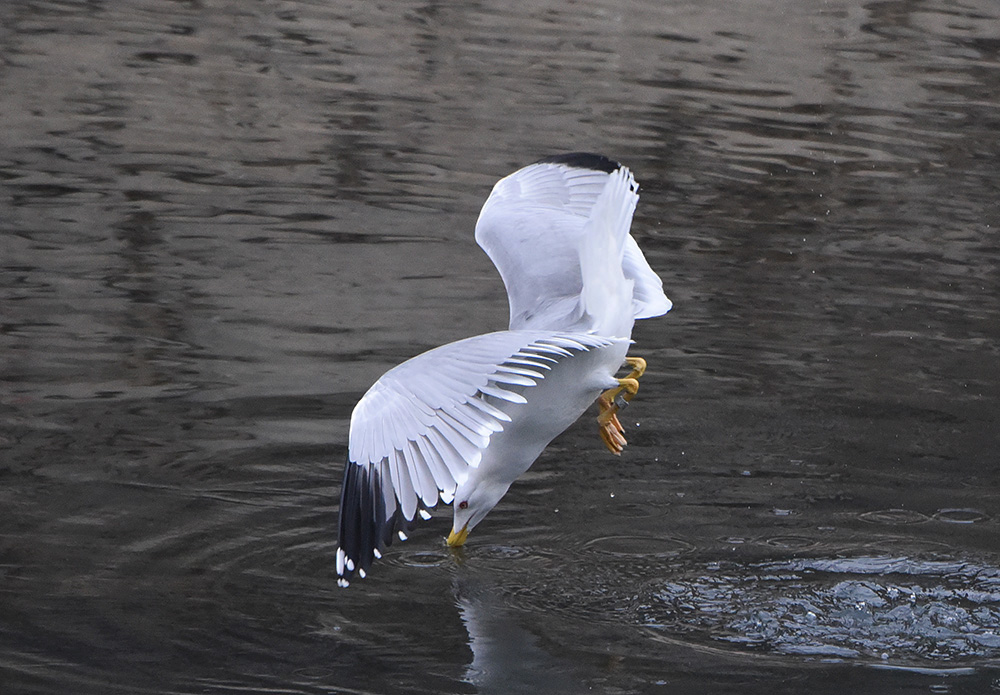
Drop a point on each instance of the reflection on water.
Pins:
(220, 222)
(506, 658)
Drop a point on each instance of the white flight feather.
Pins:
(427, 422)
(606, 297)
(532, 228)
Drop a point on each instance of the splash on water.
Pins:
(893, 609)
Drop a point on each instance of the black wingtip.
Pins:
(583, 160)
(362, 520)
(366, 526)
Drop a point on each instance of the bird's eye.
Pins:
(463, 505)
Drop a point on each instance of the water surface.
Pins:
(221, 221)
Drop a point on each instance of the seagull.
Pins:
(460, 423)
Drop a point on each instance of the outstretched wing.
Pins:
(423, 426)
(532, 227)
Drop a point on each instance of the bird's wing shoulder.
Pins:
(423, 426)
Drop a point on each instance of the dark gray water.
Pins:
(220, 221)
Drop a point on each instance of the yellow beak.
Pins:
(457, 539)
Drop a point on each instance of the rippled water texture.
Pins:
(221, 220)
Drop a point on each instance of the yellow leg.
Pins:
(610, 402)
(613, 400)
(638, 366)
(611, 430)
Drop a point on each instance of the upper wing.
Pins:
(532, 227)
(421, 428)
(648, 299)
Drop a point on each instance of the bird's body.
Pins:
(463, 421)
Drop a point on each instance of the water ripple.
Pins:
(894, 517)
(961, 516)
(887, 608)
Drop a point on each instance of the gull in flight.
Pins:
(458, 424)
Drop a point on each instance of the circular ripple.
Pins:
(894, 517)
(791, 542)
(638, 510)
(960, 516)
(421, 558)
(639, 546)
(734, 540)
(506, 552)
(508, 558)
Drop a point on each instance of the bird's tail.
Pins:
(607, 294)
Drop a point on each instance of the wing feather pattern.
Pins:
(532, 227)
(421, 428)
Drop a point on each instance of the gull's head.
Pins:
(471, 506)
